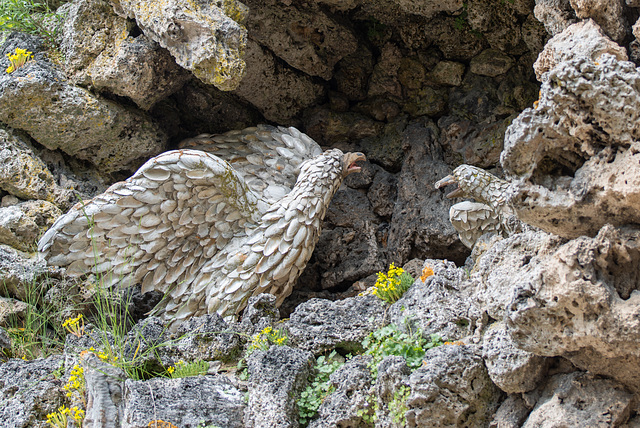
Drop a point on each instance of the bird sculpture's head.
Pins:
(349, 162)
(466, 177)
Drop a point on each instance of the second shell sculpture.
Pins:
(224, 218)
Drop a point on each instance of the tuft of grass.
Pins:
(182, 369)
(36, 17)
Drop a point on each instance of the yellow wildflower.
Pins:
(18, 59)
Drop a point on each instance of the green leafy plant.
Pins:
(391, 286)
(398, 406)
(35, 17)
(182, 369)
(390, 340)
(313, 396)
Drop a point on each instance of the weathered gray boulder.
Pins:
(206, 39)
(30, 391)
(36, 98)
(277, 91)
(102, 49)
(19, 270)
(22, 225)
(582, 39)
(440, 305)
(391, 390)
(491, 62)
(320, 325)
(261, 312)
(5, 342)
(186, 402)
(511, 414)
(451, 389)
(314, 42)
(346, 405)
(575, 157)
(276, 379)
(13, 312)
(579, 399)
(22, 173)
(512, 369)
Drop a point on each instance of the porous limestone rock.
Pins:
(491, 277)
(609, 14)
(5, 342)
(14, 311)
(556, 15)
(447, 73)
(186, 402)
(574, 159)
(17, 230)
(432, 307)
(30, 391)
(36, 98)
(108, 52)
(276, 378)
(104, 386)
(22, 173)
(581, 302)
(510, 368)
(206, 39)
(348, 402)
(311, 40)
(261, 312)
(580, 399)
(429, 9)
(452, 388)
(582, 39)
(320, 325)
(277, 91)
(393, 377)
(19, 270)
(499, 23)
(21, 225)
(511, 414)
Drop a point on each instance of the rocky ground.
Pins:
(541, 327)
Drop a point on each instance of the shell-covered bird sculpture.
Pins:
(208, 228)
(491, 212)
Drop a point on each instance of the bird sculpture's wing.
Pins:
(268, 158)
(159, 226)
(472, 220)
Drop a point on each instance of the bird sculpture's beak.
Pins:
(350, 160)
(450, 179)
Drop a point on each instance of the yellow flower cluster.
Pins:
(267, 337)
(75, 325)
(60, 419)
(103, 356)
(18, 59)
(392, 285)
(75, 384)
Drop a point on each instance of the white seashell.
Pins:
(156, 173)
(150, 220)
(128, 202)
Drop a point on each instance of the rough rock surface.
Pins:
(451, 389)
(21, 225)
(579, 399)
(608, 14)
(575, 157)
(207, 39)
(344, 406)
(104, 385)
(181, 402)
(276, 377)
(18, 270)
(556, 15)
(30, 391)
(582, 39)
(320, 325)
(37, 99)
(510, 368)
(581, 302)
(22, 173)
(437, 306)
(115, 57)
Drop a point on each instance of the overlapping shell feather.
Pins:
(207, 228)
(473, 219)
